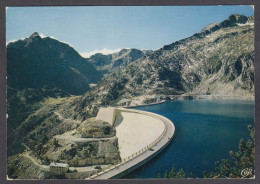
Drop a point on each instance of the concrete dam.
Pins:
(141, 136)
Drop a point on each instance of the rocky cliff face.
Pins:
(114, 62)
(79, 154)
(83, 146)
(217, 61)
(95, 128)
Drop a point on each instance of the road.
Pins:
(67, 137)
(43, 167)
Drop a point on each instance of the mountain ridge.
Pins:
(37, 62)
(114, 62)
(219, 62)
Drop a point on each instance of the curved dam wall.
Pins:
(141, 136)
(135, 131)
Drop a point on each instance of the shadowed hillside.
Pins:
(37, 62)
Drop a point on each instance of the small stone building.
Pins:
(58, 168)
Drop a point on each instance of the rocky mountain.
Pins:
(218, 61)
(38, 63)
(116, 61)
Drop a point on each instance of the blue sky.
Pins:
(105, 29)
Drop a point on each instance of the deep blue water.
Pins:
(206, 130)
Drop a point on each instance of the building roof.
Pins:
(59, 164)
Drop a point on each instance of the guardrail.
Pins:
(141, 151)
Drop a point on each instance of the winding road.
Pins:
(27, 155)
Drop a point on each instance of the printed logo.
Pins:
(246, 172)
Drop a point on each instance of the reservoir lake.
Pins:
(205, 132)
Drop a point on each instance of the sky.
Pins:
(92, 29)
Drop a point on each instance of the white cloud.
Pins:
(14, 41)
(42, 35)
(52, 37)
(64, 42)
(104, 51)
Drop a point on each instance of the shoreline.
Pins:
(194, 97)
(143, 105)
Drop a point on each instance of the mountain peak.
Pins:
(238, 18)
(233, 20)
(34, 35)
